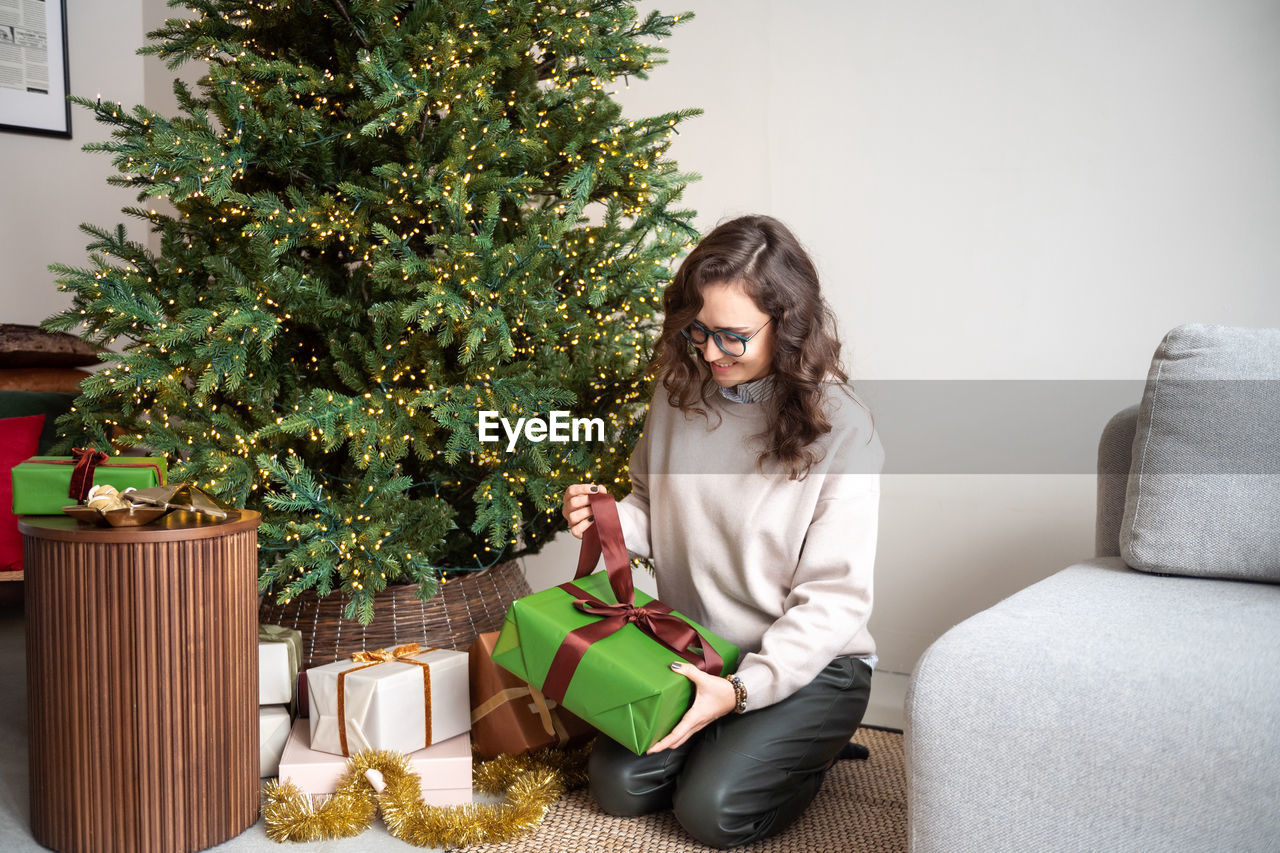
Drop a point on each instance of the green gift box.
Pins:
(622, 683)
(41, 483)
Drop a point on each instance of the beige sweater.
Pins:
(782, 568)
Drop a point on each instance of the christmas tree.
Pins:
(386, 217)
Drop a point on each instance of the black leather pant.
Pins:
(745, 776)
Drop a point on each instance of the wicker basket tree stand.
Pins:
(462, 608)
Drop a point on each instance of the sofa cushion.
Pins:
(1205, 482)
(18, 439)
(51, 404)
(56, 379)
(1100, 709)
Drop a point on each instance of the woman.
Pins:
(755, 490)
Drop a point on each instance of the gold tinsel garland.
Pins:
(531, 782)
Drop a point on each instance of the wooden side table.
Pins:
(142, 672)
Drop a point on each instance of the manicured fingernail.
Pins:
(595, 488)
(591, 518)
(675, 665)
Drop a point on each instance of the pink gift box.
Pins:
(444, 768)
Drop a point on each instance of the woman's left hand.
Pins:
(713, 698)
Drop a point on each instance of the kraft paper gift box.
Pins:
(41, 483)
(279, 654)
(444, 768)
(581, 643)
(273, 731)
(510, 716)
(402, 700)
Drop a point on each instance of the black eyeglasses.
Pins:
(730, 343)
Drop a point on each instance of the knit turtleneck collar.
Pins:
(755, 391)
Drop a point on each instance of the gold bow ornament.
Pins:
(403, 699)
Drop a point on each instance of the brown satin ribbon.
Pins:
(654, 618)
(403, 654)
(86, 461)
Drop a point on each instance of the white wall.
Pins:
(50, 186)
(992, 190)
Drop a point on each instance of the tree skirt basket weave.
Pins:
(463, 607)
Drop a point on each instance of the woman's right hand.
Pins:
(577, 507)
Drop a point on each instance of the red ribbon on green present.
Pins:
(85, 459)
(654, 619)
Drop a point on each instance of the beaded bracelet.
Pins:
(739, 693)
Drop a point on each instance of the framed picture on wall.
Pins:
(33, 67)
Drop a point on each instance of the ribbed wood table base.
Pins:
(142, 674)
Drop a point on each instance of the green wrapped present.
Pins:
(603, 650)
(42, 485)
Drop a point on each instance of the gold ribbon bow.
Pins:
(403, 654)
(384, 656)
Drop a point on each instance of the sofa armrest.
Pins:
(1115, 454)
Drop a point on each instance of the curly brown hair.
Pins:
(765, 258)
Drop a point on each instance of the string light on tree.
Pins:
(386, 216)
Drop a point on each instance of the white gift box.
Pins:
(396, 705)
(444, 768)
(275, 674)
(273, 731)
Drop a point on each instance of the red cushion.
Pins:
(19, 438)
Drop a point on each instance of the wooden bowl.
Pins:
(134, 516)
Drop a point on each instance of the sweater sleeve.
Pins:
(829, 602)
(633, 510)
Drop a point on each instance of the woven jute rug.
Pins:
(862, 807)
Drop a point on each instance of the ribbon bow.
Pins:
(654, 618)
(85, 459)
(384, 656)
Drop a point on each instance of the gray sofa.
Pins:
(1130, 702)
